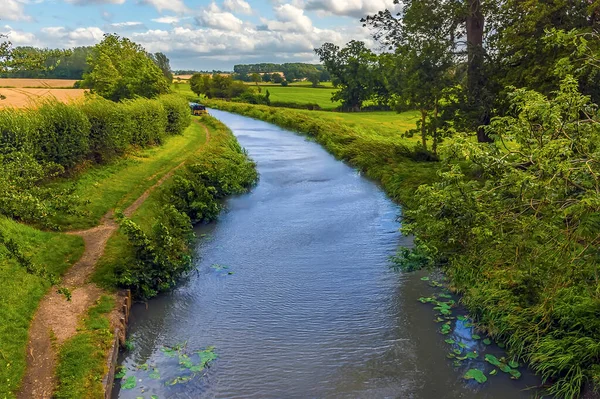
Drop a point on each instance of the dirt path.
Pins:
(56, 319)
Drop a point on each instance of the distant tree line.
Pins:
(291, 71)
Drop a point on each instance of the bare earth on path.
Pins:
(56, 319)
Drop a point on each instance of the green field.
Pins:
(302, 94)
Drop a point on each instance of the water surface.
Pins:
(311, 309)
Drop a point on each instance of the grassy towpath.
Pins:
(29, 359)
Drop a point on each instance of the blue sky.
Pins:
(195, 34)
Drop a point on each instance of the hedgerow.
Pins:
(38, 145)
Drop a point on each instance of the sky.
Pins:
(194, 34)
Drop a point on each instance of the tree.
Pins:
(217, 86)
(421, 78)
(452, 21)
(352, 70)
(277, 78)
(121, 69)
(267, 77)
(164, 64)
(314, 78)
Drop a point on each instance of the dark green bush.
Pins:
(110, 131)
(178, 113)
(149, 121)
(61, 133)
(16, 131)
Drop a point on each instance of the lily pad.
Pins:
(450, 341)
(494, 372)
(487, 341)
(129, 383)
(457, 351)
(446, 328)
(122, 372)
(424, 278)
(475, 336)
(477, 375)
(462, 345)
(513, 364)
(462, 318)
(515, 374)
(493, 360)
(472, 355)
(447, 296)
(154, 375)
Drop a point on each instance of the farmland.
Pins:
(25, 97)
(37, 83)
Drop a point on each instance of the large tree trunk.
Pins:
(476, 75)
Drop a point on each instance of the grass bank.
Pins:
(218, 168)
(21, 292)
(377, 149)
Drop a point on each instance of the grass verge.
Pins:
(117, 185)
(82, 359)
(22, 292)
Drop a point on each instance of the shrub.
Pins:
(110, 128)
(61, 133)
(149, 121)
(178, 113)
(16, 131)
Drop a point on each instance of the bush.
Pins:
(110, 129)
(149, 121)
(61, 133)
(16, 131)
(285, 83)
(178, 113)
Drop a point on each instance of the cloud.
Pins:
(19, 37)
(72, 37)
(214, 17)
(237, 6)
(177, 6)
(350, 8)
(167, 20)
(128, 24)
(289, 19)
(13, 10)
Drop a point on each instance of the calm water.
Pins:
(311, 309)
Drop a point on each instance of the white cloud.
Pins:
(350, 8)
(166, 20)
(19, 37)
(12, 10)
(67, 38)
(128, 24)
(177, 6)
(237, 6)
(214, 17)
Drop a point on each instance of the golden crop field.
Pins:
(36, 83)
(23, 97)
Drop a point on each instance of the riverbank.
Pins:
(80, 352)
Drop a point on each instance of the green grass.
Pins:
(303, 95)
(82, 359)
(21, 293)
(300, 93)
(117, 185)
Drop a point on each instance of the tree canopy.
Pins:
(121, 69)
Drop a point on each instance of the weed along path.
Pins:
(294, 297)
(57, 319)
